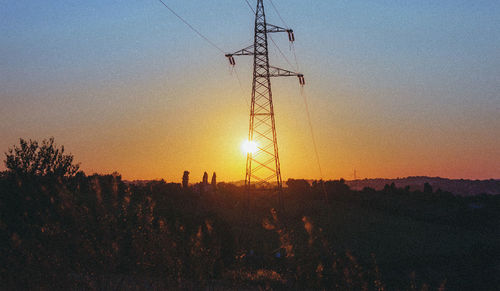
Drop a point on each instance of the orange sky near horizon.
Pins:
(158, 143)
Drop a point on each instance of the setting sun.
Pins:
(249, 147)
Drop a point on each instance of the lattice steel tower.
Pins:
(263, 164)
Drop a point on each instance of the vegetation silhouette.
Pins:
(185, 180)
(214, 181)
(33, 159)
(60, 228)
(205, 178)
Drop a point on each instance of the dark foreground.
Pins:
(99, 233)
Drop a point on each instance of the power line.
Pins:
(250, 6)
(278, 13)
(192, 28)
(312, 131)
(295, 57)
(281, 52)
(286, 25)
(314, 142)
(233, 69)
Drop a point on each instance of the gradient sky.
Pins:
(395, 88)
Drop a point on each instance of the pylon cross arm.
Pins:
(278, 72)
(248, 51)
(275, 28)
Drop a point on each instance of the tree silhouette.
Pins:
(185, 180)
(214, 181)
(205, 179)
(45, 160)
(427, 188)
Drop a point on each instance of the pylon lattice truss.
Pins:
(263, 165)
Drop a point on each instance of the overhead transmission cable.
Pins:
(281, 52)
(295, 57)
(233, 70)
(192, 27)
(311, 128)
(250, 6)
(287, 26)
(204, 38)
(278, 13)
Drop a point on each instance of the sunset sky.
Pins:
(395, 88)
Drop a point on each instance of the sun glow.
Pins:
(249, 147)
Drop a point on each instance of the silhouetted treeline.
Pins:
(55, 231)
(98, 232)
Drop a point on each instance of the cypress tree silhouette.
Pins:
(185, 180)
(214, 182)
(205, 179)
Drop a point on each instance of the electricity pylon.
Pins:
(263, 164)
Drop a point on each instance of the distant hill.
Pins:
(461, 187)
(456, 186)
